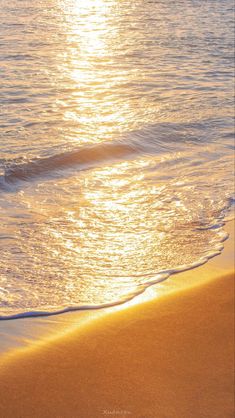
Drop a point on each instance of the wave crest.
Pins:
(87, 156)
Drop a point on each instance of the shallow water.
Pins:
(116, 138)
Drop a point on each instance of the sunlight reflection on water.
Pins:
(116, 136)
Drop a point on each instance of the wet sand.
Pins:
(170, 357)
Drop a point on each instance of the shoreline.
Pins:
(165, 276)
(22, 333)
(169, 354)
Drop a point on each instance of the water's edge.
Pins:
(162, 276)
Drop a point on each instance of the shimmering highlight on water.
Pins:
(116, 146)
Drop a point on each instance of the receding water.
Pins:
(116, 137)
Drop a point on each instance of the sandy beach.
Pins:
(169, 357)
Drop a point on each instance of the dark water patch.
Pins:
(84, 156)
(155, 139)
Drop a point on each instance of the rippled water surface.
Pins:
(116, 136)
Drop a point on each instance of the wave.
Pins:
(151, 139)
(87, 156)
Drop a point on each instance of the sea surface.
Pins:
(116, 147)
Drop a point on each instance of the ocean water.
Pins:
(116, 147)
